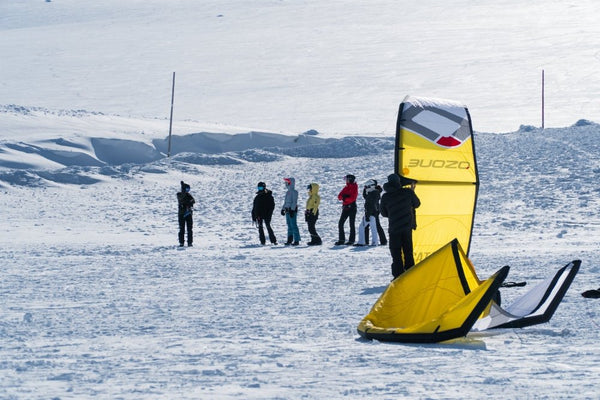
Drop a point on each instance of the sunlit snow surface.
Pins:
(97, 300)
(280, 65)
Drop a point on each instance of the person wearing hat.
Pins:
(290, 211)
(311, 214)
(262, 211)
(185, 210)
(372, 196)
(380, 230)
(348, 197)
(398, 204)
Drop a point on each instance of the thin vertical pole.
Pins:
(542, 99)
(171, 119)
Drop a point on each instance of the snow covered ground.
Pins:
(98, 302)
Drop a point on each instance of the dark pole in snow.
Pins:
(542, 99)
(171, 119)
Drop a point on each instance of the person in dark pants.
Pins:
(348, 197)
(185, 210)
(380, 231)
(398, 204)
(311, 215)
(262, 211)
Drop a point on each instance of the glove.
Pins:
(283, 211)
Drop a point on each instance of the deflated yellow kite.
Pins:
(441, 297)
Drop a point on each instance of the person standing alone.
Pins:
(398, 205)
(262, 211)
(185, 210)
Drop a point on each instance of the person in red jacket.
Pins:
(348, 197)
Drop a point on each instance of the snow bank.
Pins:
(64, 152)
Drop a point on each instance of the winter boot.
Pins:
(290, 239)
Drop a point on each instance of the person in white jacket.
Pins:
(290, 210)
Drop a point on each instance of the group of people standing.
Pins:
(370, 222)
(394, 201)
(264, 204)
(398, 204)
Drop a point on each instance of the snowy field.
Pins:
(97, 300)
(340, 66)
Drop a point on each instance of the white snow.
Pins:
(98, 302)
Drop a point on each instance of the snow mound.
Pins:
(81, 147)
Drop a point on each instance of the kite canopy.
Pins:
(434, 145)
(534, 307)
(441, 297)
(438, 299)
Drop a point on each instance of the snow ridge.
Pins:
(81, 158)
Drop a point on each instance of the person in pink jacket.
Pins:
(348, 197)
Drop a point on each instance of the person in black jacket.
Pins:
(185, 210)
(372, 196)
(262, 211)
(398, 205)
(380, 230)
